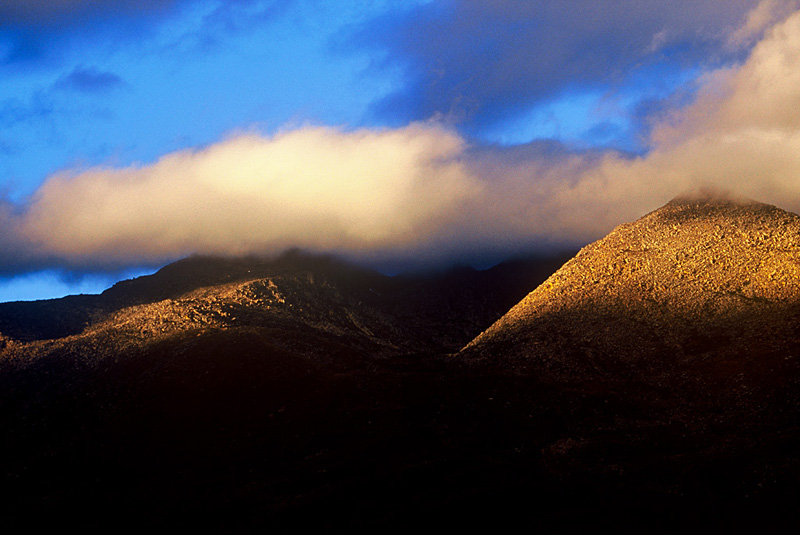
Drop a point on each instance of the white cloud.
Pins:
(421, 190)
(313, 187)
(760, 18)
(742, 134)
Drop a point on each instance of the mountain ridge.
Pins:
(52, 319)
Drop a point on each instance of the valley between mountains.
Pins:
(649, 383)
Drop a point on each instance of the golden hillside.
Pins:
(700, 276)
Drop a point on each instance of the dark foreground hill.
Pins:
(650, 385)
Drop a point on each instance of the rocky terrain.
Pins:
(694, 278)
(319, 296)
(650, 384)
(687, 323)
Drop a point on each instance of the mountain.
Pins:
(651, 384)
(58, 318)
(435, 312)
(699, 277)
(248, 392)
(681, 332)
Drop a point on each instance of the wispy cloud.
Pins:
(741, 133)
(532, 51)
(33, 30)
(63, 13)
(759, 19)
(89, 80)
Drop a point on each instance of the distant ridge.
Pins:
(437, 311)
(57, 318)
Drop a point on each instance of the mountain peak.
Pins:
(711, 195)
(699, 272)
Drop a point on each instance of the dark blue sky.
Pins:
(136, 132)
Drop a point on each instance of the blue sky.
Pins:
(127, 126)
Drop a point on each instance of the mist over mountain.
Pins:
(650, 382)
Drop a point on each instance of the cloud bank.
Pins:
(421, 191)
(314, 187)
